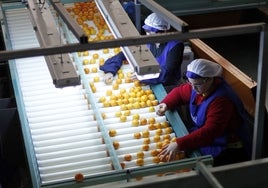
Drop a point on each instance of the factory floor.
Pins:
(242, 51)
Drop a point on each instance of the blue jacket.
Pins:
(129, 7)
(169, 55)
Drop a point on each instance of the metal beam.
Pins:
(139, 57)
(239, 175)
(60, 66)
(176, 22)
(203, 170)
(144, 39)
(138, 15)
(260, 97)
(69, 21)
(217, 9)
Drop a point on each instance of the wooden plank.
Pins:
(243, 85)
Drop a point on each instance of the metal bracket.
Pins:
(208, 175)
(69, 21)
(139, 56)
(61, 68)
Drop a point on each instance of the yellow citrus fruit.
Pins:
(86, 70)
(96, 79)
(112, 132)
(135, 122)
(145, 134)
(118, 114)
(137, 135)
(136, 116)
(94, 69)
(140, 154)
(85, 61)
(123, 118)
(105, 51)
(116, 145)
(95, 56)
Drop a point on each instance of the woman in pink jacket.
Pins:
(218, 116)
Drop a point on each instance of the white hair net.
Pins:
(203, 68)
(155, 21)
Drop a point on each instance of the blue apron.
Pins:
(161, 59)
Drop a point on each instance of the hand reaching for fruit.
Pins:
(169, 152)
(162, 108)
(108, 78)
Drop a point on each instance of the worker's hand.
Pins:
(169, 152)
(108, 78)
(162, 108)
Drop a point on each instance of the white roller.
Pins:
(76, 164)
(133, 163)
(130, 137)
(134, 155)
(74, 158)
(52, 95)
(56, 99)
(127, 150)
(67, 120)
(140, 111)
(54, 106)
(115, 123)
(48, 112)
(55, 117)
(126, 131)
(130, 143)
(66, 137)
(82, 125)
(70, 152)
(70, 174)
(54, 148)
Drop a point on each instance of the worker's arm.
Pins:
(113, 64)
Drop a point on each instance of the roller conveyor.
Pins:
(67, 131)
(40, 98)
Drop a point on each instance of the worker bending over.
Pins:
(169, 55)
(219, 118)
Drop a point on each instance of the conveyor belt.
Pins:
(67, 131)
(64, 132)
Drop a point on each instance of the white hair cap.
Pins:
(203, 68)
(155, 21)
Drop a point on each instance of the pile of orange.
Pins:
(87, 12)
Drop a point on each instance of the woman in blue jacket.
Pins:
(169, 55)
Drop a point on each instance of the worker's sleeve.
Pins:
(174, 61)
(180, 95)
(171, 69)
(113, 64)
(129, 7)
